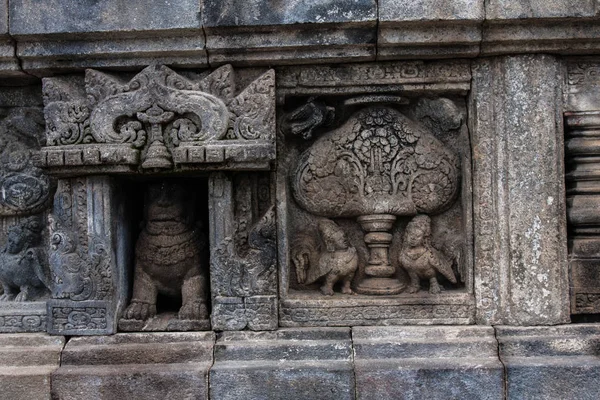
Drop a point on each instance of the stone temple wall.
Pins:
(335, 199)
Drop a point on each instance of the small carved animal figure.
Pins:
(420, 259)
(168, 256)
(21, 270)
(338, 261)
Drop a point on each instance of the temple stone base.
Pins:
(556, 362)
(26, 364)
(135, 366)
(414, 362)
(305, 363)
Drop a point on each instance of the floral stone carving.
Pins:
(159, 120)
(25, 188)
(168, 260)
(378, 165)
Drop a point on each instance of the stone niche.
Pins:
(374, 195)
(163, 216)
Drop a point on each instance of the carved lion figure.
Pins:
(337, 261)
(168, 256)
(420, 259)
(22, 272)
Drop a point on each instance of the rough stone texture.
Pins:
(115, 33)
(26, 364)
(429, 29)
(551, 362)
(427, 362)
(521, 276)
(135, 366)
(286, 364)
(523, 9)
(268, 32)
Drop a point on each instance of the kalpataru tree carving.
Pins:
(377, 166)
(169, 260)
(25, 196)
(158, 120)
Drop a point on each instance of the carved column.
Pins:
(519, 211)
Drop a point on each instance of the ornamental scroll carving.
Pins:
(159, 120)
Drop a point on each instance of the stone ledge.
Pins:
(427, 362)
(26, 364)
(551, 362)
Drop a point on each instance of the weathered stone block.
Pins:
(519, 9)
(26, 363)
(427, 362)
(521, 274)
(429, 29)
(559, 362)
(76, 34)
(288, 364)
(268, 32)
(135, 366)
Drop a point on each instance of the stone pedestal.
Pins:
(559, 362)
(438, 362)
(311, 363)
(26, 363)
(135, 366)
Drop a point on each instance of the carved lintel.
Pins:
(158, 120)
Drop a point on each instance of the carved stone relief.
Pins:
(158, 120)
(243, 263)
(375, 201)
(25, 196)
(170, 260)
(88, 249)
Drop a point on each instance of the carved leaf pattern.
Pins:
(378, 162)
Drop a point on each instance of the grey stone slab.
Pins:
(431, 10)
(519, 9)
(559, 362)
(135, 366)
(437, 362)
(521, 273)
(582, 89)
(429, 29)
(273, 32)
(68, 17)
(26, 363)
(286, 364)
(67, 35)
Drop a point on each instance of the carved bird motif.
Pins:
(338, 261)
(420, 259)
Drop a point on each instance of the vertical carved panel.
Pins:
(89, 250)
(243, 253)
(25, 193)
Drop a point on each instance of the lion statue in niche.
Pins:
(169, 255)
